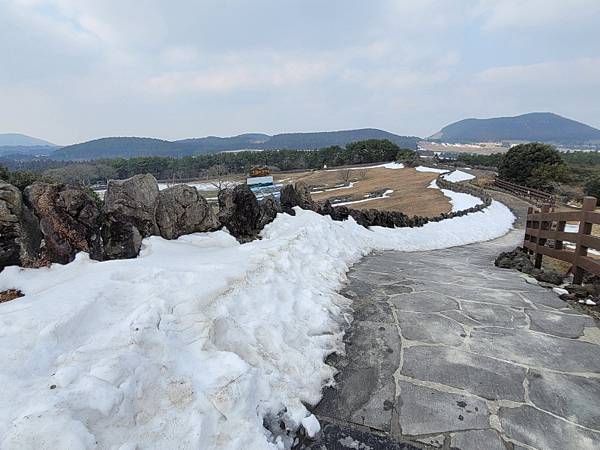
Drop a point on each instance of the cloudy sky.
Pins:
(73, 70)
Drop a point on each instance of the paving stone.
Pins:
(393, 289)
(461, 318)
(433, 441)
(477, 440)
(499, 297)
(335, 436)
(494, 315)
(544, 297)
(431, 328)
(543, 431)
(485, 377)
(536, 350)
(356, 288)
(423, 410)
(572, 397)
(557, 324)
(373, 310)
(373, 344)
(423, 302)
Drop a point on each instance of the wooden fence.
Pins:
(534, 195)
(545, 235)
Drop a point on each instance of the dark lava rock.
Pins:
(547, 276)
(20, 235)
(69, 220)
(129, 215)
(296, 195)
(182, 210)
(241, 213)
(516, 259)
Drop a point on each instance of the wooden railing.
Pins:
(534, 195)
(545, 235)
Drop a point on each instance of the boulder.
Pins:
(547, 276)
(129, 215)
(20, 235)
(516, 259)
(296, 195)
(182, 210)
(241, 213)
(69, 221)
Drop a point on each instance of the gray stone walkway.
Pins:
(447, 351)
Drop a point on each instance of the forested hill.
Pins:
(129, 147)
(542, 127)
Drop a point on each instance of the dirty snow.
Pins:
(195, 344)
(391, 165)
(457, 176)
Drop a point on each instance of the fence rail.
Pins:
(545, 235)
(534, 195)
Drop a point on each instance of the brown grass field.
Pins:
(411, 194)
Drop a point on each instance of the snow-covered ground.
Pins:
(386, 194)
(196, 343)
(430, 169)
(391, 165)
(458, 200)
(458, 176)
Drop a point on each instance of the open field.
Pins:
(410, 188)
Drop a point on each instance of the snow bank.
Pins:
(458, 200)
(391, 165)
(458, 176)
(386, 194)
(196, 343)
(430, 169)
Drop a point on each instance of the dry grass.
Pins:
(411, 194)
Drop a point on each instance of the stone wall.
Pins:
(51, 223)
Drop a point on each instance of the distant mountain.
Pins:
(16, 151)
(129, 147)
(21, 140)
(542, 127)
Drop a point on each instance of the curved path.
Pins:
(448, 351)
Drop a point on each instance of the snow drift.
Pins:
(199, 343)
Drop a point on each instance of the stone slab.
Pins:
(533, 427)
(423, 302)
(477, 440)
(485, 377)
(536, 350)
(424, 410)
(558, 324)
(573, 397)
(431, 328)
(494, 315)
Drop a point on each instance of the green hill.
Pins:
(541, 127)
(128, 147)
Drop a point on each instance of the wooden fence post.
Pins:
(543, 225)
(528, 224)
(585, 227)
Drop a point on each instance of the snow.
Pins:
(430, 169)
(391, 165)
(386, 194)
(311, 425)
(458, 176)
(198, 341)
(458, 200)
(348, 186)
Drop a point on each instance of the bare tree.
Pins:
(344, 175)
(217, 176)
(362, 174)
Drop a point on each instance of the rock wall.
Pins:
(51, 223)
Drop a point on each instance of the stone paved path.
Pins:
(447, 351)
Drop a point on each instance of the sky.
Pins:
(74, 70)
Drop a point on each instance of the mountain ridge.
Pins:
(536, 126)
(22, 140)
(128, 147)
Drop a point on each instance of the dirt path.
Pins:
(447, 351)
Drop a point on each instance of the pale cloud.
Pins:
(87, 68)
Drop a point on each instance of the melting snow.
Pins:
(196, 343)
(458, 176)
